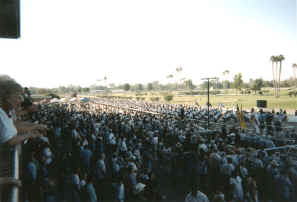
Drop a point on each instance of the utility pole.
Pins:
(208, 79)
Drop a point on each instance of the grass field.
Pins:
(248, 101)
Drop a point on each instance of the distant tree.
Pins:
(156, 85)
(289, 82)
(79, 89)
(204, 85)
(257, 85)
(285, 84)
(126, 87)
(238, 82)
(226, 84)
(268, 84)
(85, 90)
(189, 84)
(139, 87)
(150, 86)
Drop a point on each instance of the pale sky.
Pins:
(78, 41)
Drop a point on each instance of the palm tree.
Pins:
(225, 75)
(178, 75)
(280, 59)
(103, 79)
(170, 76)
(294, 70)
(273, 60)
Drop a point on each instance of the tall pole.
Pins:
(208, 98)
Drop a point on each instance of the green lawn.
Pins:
(247, 101)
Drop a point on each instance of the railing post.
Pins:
(15, 172)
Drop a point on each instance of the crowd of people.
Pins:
(104, 155)
(92, 152)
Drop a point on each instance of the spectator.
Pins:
(88, 190)
(137, 144)
(196, 196)
(236, 187)
(10, 101)
(119, 190)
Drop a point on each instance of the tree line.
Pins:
(253, 85)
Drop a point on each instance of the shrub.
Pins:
(168, 98)
(155, 99)
(52, 95)
(292, 93)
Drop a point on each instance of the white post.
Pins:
(15, 173)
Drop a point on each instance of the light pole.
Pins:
(208, 79)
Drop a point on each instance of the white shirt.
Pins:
(133, 165)
(121, 191)
(82, 183)
(47, 152)
(199, 197)
(7, 128)
(76, 180)
(237, 188)
(124, 146)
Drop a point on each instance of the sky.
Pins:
(138, 41)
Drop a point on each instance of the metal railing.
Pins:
(15, 172)
(9, 167)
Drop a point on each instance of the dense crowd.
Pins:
(97, 154)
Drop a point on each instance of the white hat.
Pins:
(274, 162)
